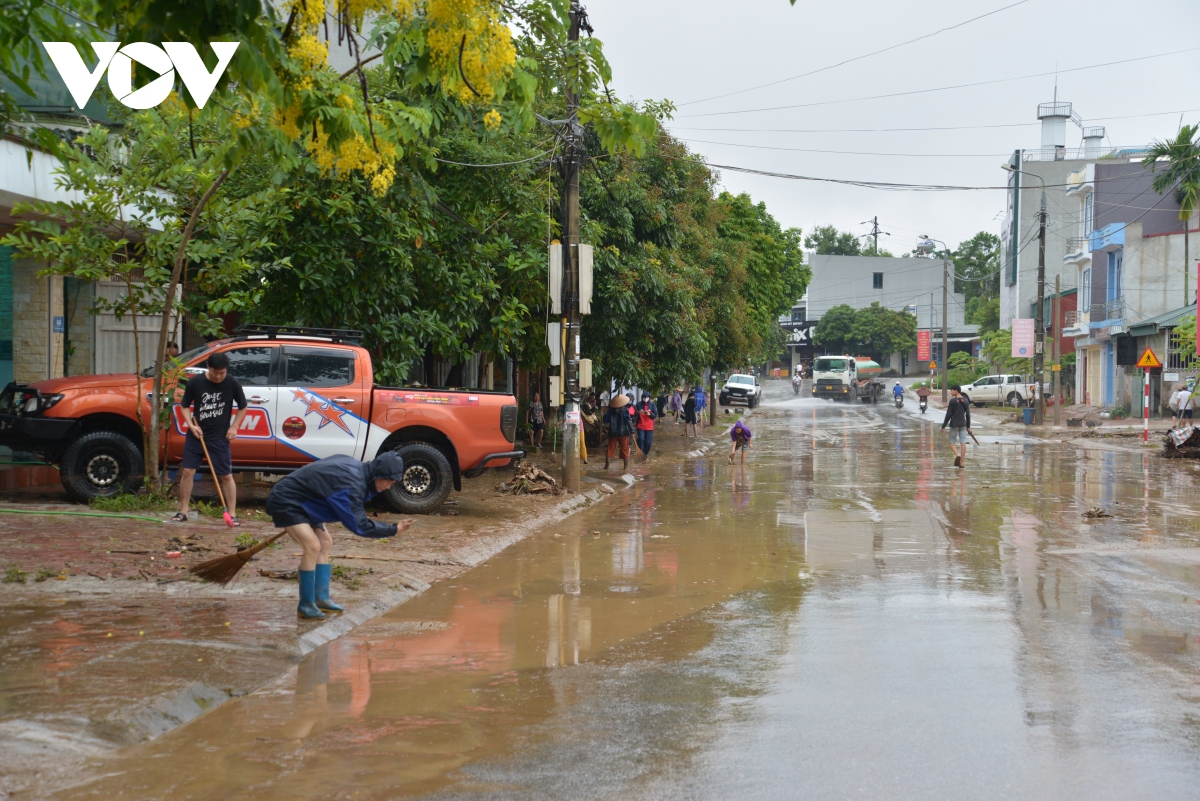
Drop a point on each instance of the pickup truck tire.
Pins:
(1015, 399)
(100, 465)
(723, 400)
(427, 480)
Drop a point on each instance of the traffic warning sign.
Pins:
(1149, 361)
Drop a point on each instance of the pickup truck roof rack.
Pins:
(274, 331)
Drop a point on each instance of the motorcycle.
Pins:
(899, 400)
(796, 384)
(924, 404)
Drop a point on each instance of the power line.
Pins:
(930, 128)
(943, 88)
(853, 152)
(856, 58)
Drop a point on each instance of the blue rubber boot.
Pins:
(308, 593)
(323, 575)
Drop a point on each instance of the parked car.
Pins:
(311, 394)
(1007, 389)
(740, 388)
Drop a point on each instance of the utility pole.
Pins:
(572, 161)
(1057, 366)
(945, 365)
(1039, 346)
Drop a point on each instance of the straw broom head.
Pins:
(224, 569)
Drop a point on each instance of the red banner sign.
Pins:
(923, 349)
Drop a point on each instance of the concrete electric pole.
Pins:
(572, 161)
(1039, 346)
(945, 329)
(1056, 367)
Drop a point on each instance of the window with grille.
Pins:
(1175, 354)
(877, 280)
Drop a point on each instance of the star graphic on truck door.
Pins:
(325, 410)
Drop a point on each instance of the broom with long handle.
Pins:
(224, 569)
(217, 482)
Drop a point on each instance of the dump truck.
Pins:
(847, 378)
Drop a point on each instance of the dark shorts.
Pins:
(537, 426)
(285, 514)
(1186, 414)
(218, 449)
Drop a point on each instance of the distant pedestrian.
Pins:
(662, 403)
(701, 404)
(620, 421)
(1184, 403)
(677, 403)
(958, 417)
(647, 413)
(536, 418)
(741, 436)
(172, 350)
(689, 414)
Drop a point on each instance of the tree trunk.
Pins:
(454, 378)
(160, 365)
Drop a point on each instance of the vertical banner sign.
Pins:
(1022, 338)
(923, 354)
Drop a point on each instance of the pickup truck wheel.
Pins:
(1014, 399)
(723, 400)
(427, 480)
(100, 465)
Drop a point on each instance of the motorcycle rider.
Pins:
(898, 393)
(923, 394)
(796, 381)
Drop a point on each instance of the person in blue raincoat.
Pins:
(333, 490)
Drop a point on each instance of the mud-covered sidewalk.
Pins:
(107, 640)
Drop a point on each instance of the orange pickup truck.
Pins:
(310, 393)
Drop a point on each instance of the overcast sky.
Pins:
(688, 50)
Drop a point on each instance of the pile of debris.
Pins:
(528, 479)
(1182, 443)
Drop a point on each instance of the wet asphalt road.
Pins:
(846, 617)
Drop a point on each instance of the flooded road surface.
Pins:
(848, 616)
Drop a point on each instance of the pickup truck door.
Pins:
(255, 445)
(322, 403)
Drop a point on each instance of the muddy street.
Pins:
(846, 616)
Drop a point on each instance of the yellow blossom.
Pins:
(492, 120)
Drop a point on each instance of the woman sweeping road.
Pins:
(331, 490)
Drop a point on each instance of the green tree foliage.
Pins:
(876, 331)
(1176, 163)
(835, 329)
(1184, 338)
(984, 312)
(976, 266)
(965, 369)
(827, 240)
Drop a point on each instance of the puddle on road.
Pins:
(835, 503)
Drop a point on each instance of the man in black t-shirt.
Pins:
(213, 393)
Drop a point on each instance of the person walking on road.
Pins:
(741, 436)
(620, 419)
(332, 490)
(958, 417)
(535, 416)
(662, 403)
(213, 392)
(1184, 403)
(689, 414)
(647, 413)
(701, 404)
(676, 405)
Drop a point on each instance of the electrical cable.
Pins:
(497, 164)
(854, 152)
(856, 58)
(942, 88)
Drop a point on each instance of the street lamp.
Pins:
(1039, 348)
(926, 246)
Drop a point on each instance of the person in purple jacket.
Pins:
(740, 434)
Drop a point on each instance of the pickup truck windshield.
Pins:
(741, 379)
(830, 365)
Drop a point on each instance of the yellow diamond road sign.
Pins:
(1149, 361)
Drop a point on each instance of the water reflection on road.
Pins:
(847, 615)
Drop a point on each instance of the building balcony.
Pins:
(1109, 316)
(1075, 323)
(1110, 237)
(1079, 251)
(1080, 181)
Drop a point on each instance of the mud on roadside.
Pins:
(109, 642)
